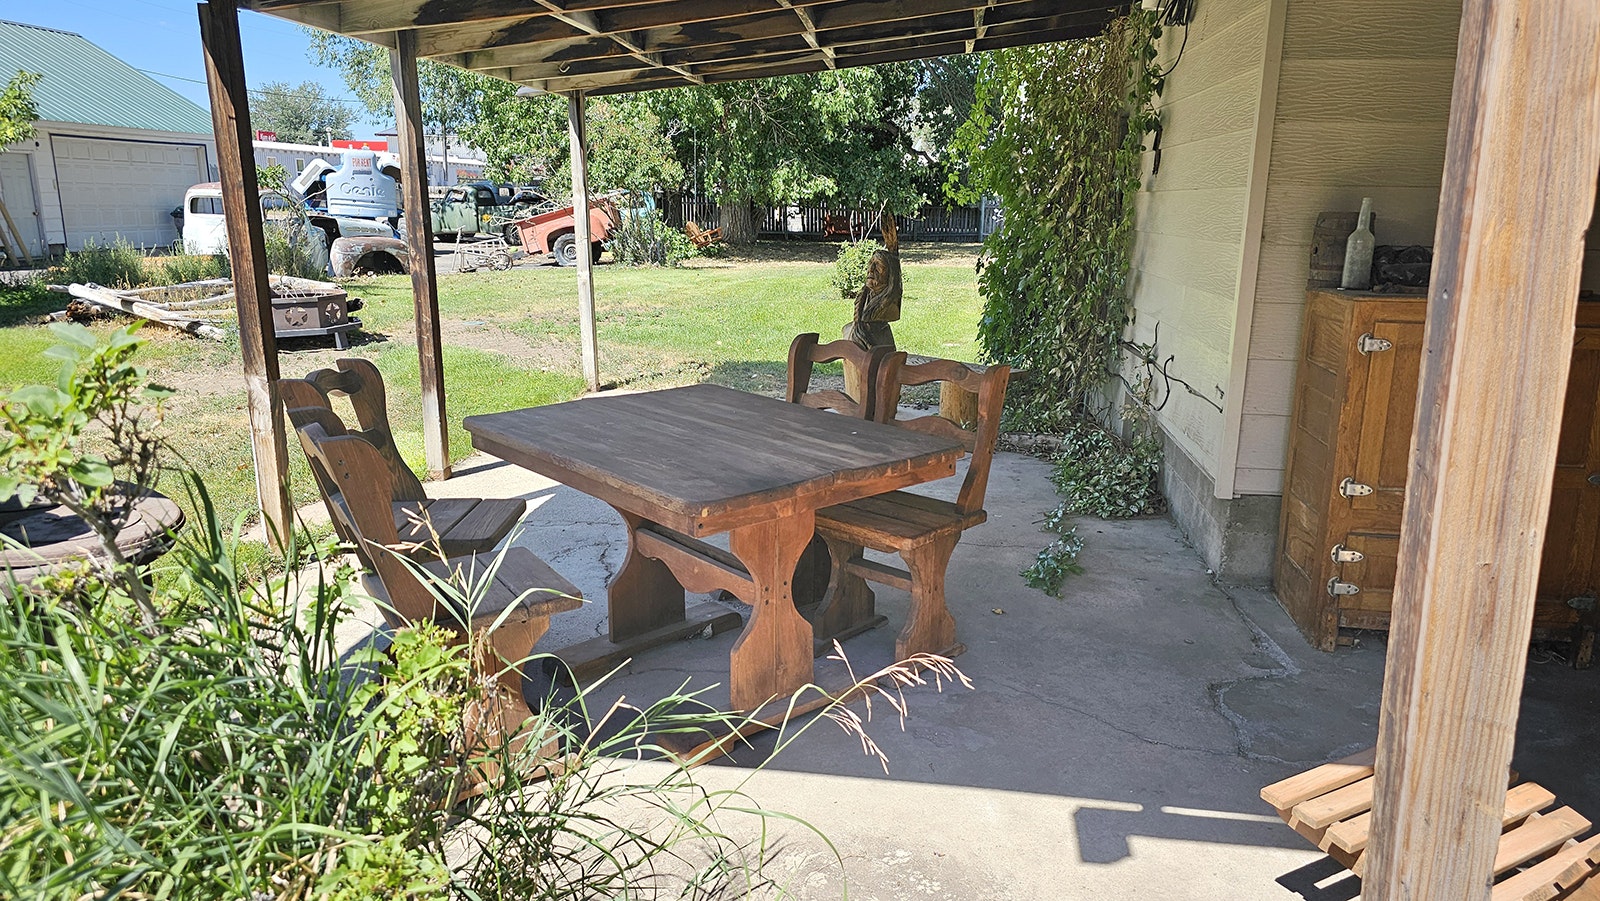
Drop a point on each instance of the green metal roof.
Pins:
(83, 83)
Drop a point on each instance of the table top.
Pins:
(703, 458)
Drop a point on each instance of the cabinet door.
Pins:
(1570, 565)
(1384, 397)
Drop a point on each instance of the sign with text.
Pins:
(343, 144)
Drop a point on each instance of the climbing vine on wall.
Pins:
(1057, 134)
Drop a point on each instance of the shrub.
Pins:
(643, 238)
(1102, 475)
(115, 265)
(289, 249)
(850, 270)
(191, 267)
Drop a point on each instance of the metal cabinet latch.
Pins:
(1351, 488)
(1338, 588)
(1370, 344)
(1342, 554)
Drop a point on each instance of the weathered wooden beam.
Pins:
(666, 26)
(247, 247)
(577, 136)
(676, 48)
(419, 241)
(590, 22)
(810, 26)
(1521, 156)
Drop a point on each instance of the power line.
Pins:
(256, 91)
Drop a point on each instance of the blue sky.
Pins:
(163, 36)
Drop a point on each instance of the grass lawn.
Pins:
(511, 340)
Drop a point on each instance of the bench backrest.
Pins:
(861, 368)
(360, 382)
(989, 384)
(357, 470)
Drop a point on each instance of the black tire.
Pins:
(566, 250)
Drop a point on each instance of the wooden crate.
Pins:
(1349, 456)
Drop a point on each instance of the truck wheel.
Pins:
(566, 250)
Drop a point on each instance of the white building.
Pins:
(113, 152)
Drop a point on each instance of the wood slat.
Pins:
(883, 573)
(487, 522)
(1550, 878)
(1537, 835)
(438, 518)
(1341, 803)
(1351, 835)
(1285, 794)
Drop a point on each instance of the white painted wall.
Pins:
(1192, 214)
(1363, 100)
(45, 171)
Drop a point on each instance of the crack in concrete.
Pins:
(1057, 702)
(1285, 668)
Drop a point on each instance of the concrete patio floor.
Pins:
(1114, 740)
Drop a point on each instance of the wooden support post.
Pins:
(419, 241)
(577, 137)
(1521, 157)
(247, 248)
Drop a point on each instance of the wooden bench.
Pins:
(509, 595)
(922, 530)
(699, 237)
(1541, 857)
(454, 525)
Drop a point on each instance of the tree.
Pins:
(450, 97)
(844, 136)
(300, 115)
(525, 139)
(18, 112)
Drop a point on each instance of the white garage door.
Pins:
(123, 188)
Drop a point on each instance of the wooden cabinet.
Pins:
(1349, 454)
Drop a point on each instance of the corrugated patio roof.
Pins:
(83, 83)
(618, 46)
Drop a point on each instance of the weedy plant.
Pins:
(643, 238)
(115, 265)
(850, 269)
(233, 749)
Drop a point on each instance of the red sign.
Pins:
(266, 135)
(342, 144)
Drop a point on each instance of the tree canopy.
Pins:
(300, 115)
(450, 96)
(17, 109)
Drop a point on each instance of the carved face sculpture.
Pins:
(879, 300)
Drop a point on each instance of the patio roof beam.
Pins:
(810, 33)
(247, 247)
(664, 27)
(1037, 15)
(590, 22)
(409, 130)
(578, 141)
(1521, 156)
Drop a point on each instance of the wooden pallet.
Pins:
(1541, 855)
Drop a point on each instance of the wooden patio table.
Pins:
(685, 463)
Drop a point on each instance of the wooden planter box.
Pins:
(1349, 449)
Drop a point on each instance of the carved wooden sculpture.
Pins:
(878, 302)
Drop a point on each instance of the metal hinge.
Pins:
(1351, 488)
(1370, 344)
(1342, 554)
(1337, 588)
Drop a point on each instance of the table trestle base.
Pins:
(589, 660)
